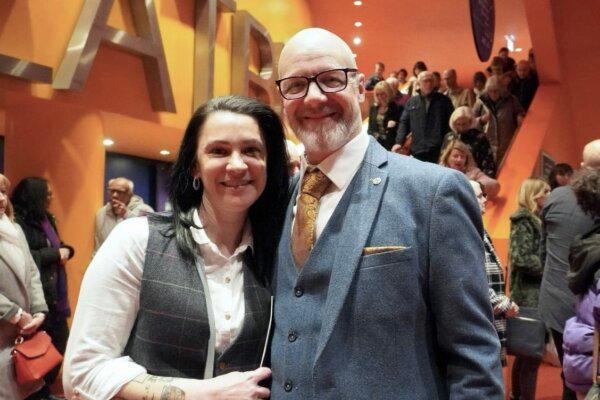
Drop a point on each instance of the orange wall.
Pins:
(58, 134)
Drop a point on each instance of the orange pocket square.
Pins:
(382, 249)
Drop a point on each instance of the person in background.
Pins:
(167, 289)
(502, 305)
(498, 114)
(376, 77)
(479, 80)
(524, 84)
(22, 304)
(295, 152)
(457, 155)
(526, 270)
(560, 175)
(122, 204)
(414, 81)
(403, 82)
(462, 121)
(31, 200)
(459, 96)
(437, 82)
(384, 115)
(584, 282)
(399, 98)
(562, 221)
(509, 62)
(426, 117)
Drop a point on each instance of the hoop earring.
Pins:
(196, 183)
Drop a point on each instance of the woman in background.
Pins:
(31, 199)
(526, 270)
(384, 116)
(22, 305)
(560, 175)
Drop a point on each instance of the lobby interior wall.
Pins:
(58, 134)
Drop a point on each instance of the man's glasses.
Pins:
(331, 81)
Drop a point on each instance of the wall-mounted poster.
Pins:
(547, 163)
(483, 24)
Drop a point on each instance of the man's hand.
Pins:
(397, 148)
(485, 118)
(118, 207)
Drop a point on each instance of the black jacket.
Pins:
(392, 114)
(427, 124)
(46, 258)
(524, 89)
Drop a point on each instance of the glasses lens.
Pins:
(332, 81)
(293, 88)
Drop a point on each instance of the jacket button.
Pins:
(292, 336)
(298, 291)
(288, 385)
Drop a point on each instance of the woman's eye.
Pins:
(253, 151)
(217, 151)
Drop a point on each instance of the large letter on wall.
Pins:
(25, 69)
(243, 80)
(92, 29)
(204, 52)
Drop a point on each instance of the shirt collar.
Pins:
(341, 165)
(199, 235)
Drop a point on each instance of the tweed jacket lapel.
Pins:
(368, 186)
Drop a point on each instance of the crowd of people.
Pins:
(277, 266)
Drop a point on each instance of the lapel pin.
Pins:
(376, 181)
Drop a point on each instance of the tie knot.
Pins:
(315, 183)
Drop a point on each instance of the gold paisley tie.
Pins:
(314, 184)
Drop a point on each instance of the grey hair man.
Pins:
(365, 309)
(460, 96)
(122, 204)
(562, 221)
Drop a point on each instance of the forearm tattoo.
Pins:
(149, 385)
(172, 393)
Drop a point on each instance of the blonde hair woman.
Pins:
(384, 115)
(22, 304)
(526, 270)
(457, 155)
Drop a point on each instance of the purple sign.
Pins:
(483, 21)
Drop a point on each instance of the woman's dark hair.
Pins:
(586, 186)
(559, 169)
(30, 199)
(420, 65)
(403, 70)
(267, 213)
(479, 77)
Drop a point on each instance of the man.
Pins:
(399, 98)
(458, 95)
(563, 220)
(379, 281)
(403, 82)
(509, 62)
(525, 84)
(426, 116)
(122, 204)
(376, 77)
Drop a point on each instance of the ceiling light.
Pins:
(108, 142)
(358, 24)
(358, 3)
(357, 40)
(518, 49)
(165, 152)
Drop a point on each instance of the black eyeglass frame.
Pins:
(313, 78)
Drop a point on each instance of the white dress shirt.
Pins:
(340, 167)
(95, 367)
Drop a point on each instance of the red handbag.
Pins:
(34, 357)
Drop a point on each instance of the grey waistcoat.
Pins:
(300, 300)
(171, 332)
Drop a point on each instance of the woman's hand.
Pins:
(239, 385)
(31, 324)
(513, 311)
(485, 118)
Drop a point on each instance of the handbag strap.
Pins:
(595, 358)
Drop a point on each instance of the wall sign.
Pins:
(483, 24)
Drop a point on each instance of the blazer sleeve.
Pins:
(35, 291)
(459, 295)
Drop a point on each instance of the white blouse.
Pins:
(94, 366)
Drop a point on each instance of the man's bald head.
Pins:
(449, 77)
(591, 154)
(315, 41)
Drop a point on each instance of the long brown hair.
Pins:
(463, 148)
(9, 208)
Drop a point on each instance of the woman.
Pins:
(502, 305)
(142, 330)
(479, 80)
(526, 270)
(584, 282)
(22, 305)
(31, 199)
(560, 175)
(457, 155)
(499, 114)
(384, 116)
(461, 123)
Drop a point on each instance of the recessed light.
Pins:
(165, 152)
(518, 49)
(358, 24)
(357, 40)
(358, 3)
(108, 142)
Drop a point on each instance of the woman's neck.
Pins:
(224, 228)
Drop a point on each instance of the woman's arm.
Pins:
(36, 293)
